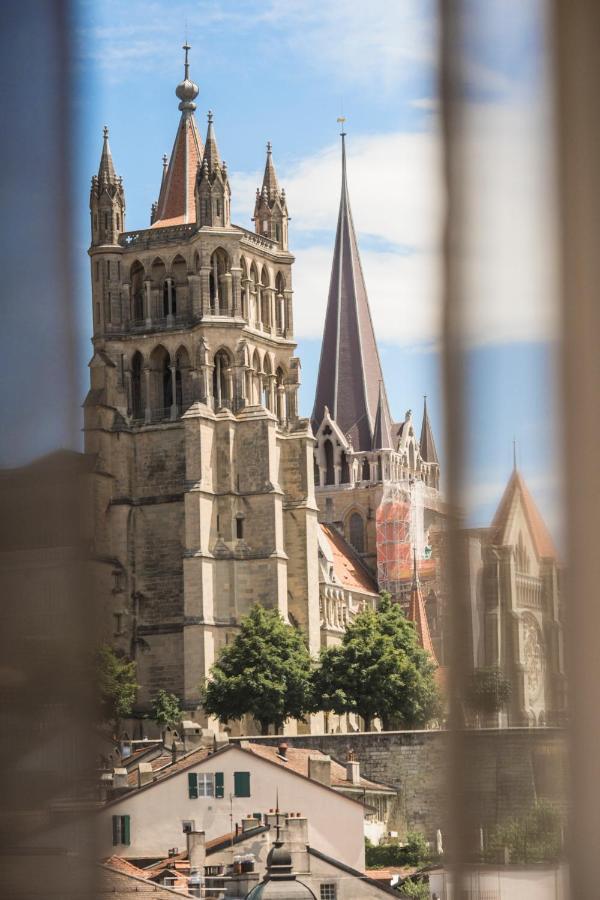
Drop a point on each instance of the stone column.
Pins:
(205, 290)
(281, 403)
(289, 314)
(271, 388)
(169, 301)
(173, 391)
(195, 296)
(236, 291)
(215, 274)
(148, 411)
(128, 392)
(148, 302)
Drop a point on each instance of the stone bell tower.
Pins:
(204, 489)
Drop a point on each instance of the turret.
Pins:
(107, 200)
(270, 210)
(213, 194)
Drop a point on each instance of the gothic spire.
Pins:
(211, 150)
(350, 372)
(106, 170)
(427, 443)
(270, 182)
(417, 614)
(176, 202)
(382, 430)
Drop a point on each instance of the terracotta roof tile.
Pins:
(347, 567)
(177, 202)
(297, 761)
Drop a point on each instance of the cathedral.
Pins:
(211, 493)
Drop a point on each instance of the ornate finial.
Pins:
(105, 132)
(209, 117)
(341, 120)
(186, 90)
(269, 147)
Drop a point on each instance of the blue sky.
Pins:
(284, 70)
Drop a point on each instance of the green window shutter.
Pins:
(116, 828)
(219, 784)
(192, 786)
(125, 830)
(241, 784)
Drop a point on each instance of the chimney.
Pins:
(319, 769)
(196, 849)
(120, 779)
(282, 750)
(352, 768)
(249, 823)
(145, 773)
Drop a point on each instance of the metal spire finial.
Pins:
(210, 117)
(186, 47)
(514, 454)
(105, 132)
(341, 120)
(269, 147)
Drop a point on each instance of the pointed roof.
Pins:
(270, 183)
(382, 430)
(417, 614)
(211, 151)
(349, 369)
(177, 202)
(106, 169)
(427, 443)
(517, 493)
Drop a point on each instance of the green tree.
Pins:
(117, 685)
(415, 890)
(265, 672)
(379, 671)
(166, 710)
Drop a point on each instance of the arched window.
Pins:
(137, 409)
(221, 391)
(329, 470)
(265, 299)
(219, 266)
(356, 531)
(280, 302)
(280, 395)
(366, 470)
(162, 383)
(166, 303)
(137, 292)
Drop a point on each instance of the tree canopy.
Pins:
(117, 685)
(379, 671)
(166, 710)
(265, 672)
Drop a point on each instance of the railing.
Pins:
(529, 591)
(150, 237)
(259, 240)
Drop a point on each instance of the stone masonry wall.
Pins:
(508, 770)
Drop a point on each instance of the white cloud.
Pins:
(397, 202)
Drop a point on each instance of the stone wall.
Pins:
(508, 770)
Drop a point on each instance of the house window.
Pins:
(239, 527)
(241, 784)
(328, 891)
(201, 785)
(121, 829)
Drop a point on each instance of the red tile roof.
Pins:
(297, 761)
(346, 566)
(177, 202)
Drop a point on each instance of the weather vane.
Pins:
(341, 120)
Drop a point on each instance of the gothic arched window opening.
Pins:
(356, 531)
(136, 386)
(221, 374)
(329, 469)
